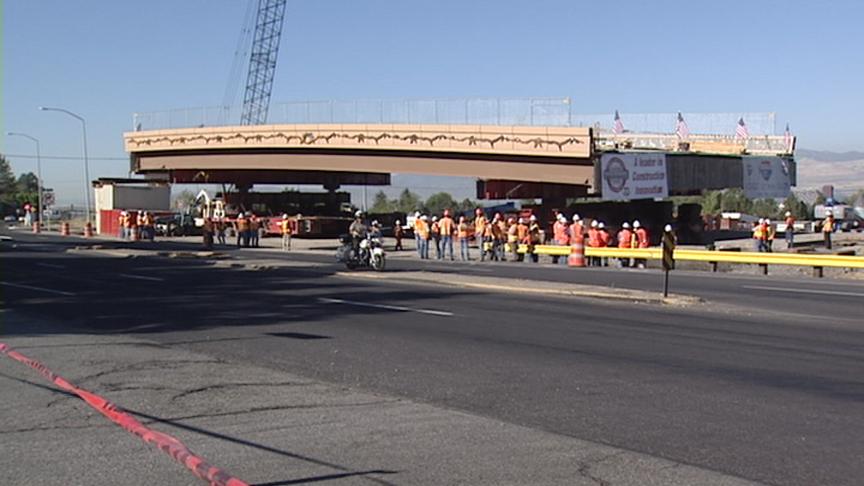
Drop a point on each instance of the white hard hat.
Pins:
(767, 221)
(375, 223)
(594, 223)
(788, 213)
(424, 217)
(636, 224)
(601, 225)
(533, 218)
(358, 214)
(397, 222)
(626, 225)
(828, 212)
(761, 220)
(284, 215)
(561, 217)
(240, 215)
(522, 220)
(576, 217)
(434, 218)
(667, 228)
(417, 214)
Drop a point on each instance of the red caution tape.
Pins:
(163, 442)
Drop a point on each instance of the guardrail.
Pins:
(818, 262)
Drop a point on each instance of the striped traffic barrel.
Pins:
(577, 254)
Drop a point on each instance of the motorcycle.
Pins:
(371, 253)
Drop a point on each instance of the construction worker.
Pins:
(642, 241)
(479, 229)
(375, 230)
(828, 228)
(435, 234)
(522, 237)
(398, 233)
(594, 242)
(220, 227)
(417, 234)
(423, 232)
(448, 228)
(254, 227)
(790, 230)
(121, 229)
(758, 235)
(577, 231)
(534, 237)
(625, 241)
(560, 234)
(285, 226)
(513, 238)
(462, 236)
(489, 241)
(241, 226)
(770, 233)
(604, 238)
(500, 235)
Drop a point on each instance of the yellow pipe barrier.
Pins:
(656, 253)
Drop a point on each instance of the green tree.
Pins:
(467, 205)
(797, 207)
(27, 183)
(183, 200)
(7, 180)
(438, 202)
(408, 202)
(381, 204)
(712, 202)
(734, 200)
(765, 207)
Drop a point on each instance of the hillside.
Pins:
(817, 168)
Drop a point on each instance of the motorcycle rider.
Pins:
(358, 232)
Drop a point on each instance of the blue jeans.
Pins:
(418, 245)
(424, 248)
(437, 242)
(464, 249)
(790, 238)
(447, 244)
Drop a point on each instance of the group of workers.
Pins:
(500, 236)
(764, 232)
(136, 225)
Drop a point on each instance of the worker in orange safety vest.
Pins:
(642, 241)
(625, 241)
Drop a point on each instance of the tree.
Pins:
(381, 204)
(183, 200)
(438, 202)
(765, 207)
(734, 200)
(712, 202)
(797, 207)
(7, 181)
(27, 183)
(408, 202)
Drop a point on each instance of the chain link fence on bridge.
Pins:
(457, 111)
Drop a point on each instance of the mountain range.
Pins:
(816, 168)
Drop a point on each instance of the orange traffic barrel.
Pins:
(88, 230)
(64, 229)
(577, 255)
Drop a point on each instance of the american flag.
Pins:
(619, 125)
(741, 130)
(787, 138)
(681, 128)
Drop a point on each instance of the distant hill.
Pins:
(816, 168)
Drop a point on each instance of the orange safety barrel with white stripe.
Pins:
(577, 254)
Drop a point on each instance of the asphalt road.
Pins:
(773, 394)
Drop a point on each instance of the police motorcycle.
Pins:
(370, 252)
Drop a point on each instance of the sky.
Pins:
(108, 59)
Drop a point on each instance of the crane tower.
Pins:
(262, 61)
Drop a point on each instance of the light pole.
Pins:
(38, 170)
(86, 163)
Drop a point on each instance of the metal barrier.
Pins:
(818, 262)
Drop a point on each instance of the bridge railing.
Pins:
(531, 111)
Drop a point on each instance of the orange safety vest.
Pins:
(625, 238)
(242, 224)
(593, 238)
(577, 234)
(462, 231)
(559, 231)
(479, 224)
(642, 238)
(286, 227)
(513, 233)
(422, 228)
(604, 238)
(757, 232)
(828, 225)
(446, 226)
(436, 228)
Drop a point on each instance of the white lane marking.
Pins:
(141, 277)
(805, 291)
(40, 289)
(388, 307)
(50, 265)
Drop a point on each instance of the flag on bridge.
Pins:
(681, 128)
(788, 138)
(619, 125)
(741, 130)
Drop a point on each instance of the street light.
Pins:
(38, 169)
(86, 163)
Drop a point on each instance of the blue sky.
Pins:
(108, 59)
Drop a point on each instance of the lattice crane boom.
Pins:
(262, 61)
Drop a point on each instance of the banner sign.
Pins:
(766, 177)
(633, 176)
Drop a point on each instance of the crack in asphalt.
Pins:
(233, 385)
(585, 466)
